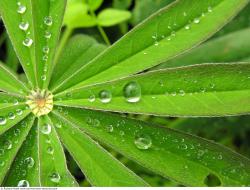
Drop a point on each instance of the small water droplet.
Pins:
(47, 34)
(19, 112)
(110, 128)
(96, 123)
(196, 20)
(27, 42)
(46, 49)
(2, 163)
(24, 26)
(48, 20)
(55, 177)
(29, 162)
(50, 150)
(132, 92)
(143, 141)
(3, 120)
(43, 77)
(187, 27)
(182, 92)
(92, 98)
(21, 8)
(46, 129)
(7, 145)
(23, 183)
(210, 9)
(58, 125)
(17, 132)
(105, 96)
(11, 116)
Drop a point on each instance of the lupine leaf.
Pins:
(100, 168)
(10, 142)
(229, 48)
(156, 40)
(213, 89)
(53, 168)
(188, 159)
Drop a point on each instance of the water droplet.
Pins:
(11, 116)
(46, 129)
(96, 123)
(92, 98)
(23, 183)
(48, 20)
(29, 162)
(58, 125)
(55, 177)
(19, 112)
(210, 9)
(21, 8)
(187, 27)
(132, 92)
(182, 92)
(43, 77)
(24, 26)
(143, 141)
(50, 150)
(196, 20)
(105, 96)
(110, 128)
(220, 157)
(2, 163)
(46, 49)
(47, 34)
(17, 132)
(3, 120)
(27, 42)
(7, 145)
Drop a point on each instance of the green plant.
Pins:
(66, 97)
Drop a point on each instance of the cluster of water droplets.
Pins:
(131, 93)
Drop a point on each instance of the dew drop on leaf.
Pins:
(27, 42)
(132, 92)
(50, 150)
(23, 183)
(55, 177)
(48, 20)
(7, 145)
(47, 34)
(46, 129)
(19, 112)
(110, 128)
(196, 20)
(3, 120)
(2, 163)
(21, 8)
(24, 26)
(29, 162)
(43, 77)
(92, 98)
(46, 49)
(11, 116)
(105, 96)
(15, 102)
(143, 141)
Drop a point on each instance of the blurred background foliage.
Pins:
(109, 20)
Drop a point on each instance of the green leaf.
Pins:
(229, 48)
(144, 8)
(76, 15)
(27, 29)
(122, 4)
(100, 168)
(11, 59)
(110, 17)
(156, 40)
(10, 143)
(185, 158)
(10, 83)
(78, 52)
(201, 90)
(12, 115)
(26, 164)
(94, 4)
(53, 168)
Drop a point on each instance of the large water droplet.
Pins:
(105, 96)
(46, 129)
(23, 183)
(48, 20)
(132, 92)
(24, 26)
(143, 141)
(55, 177)
(3, 120)
(27, 42)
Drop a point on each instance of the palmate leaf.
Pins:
(98, 165)
(34, 35)
(156, 40)
(232, 47)
(179, 156)
(213, 89)
(10, 142)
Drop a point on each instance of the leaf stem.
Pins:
(100, 29)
